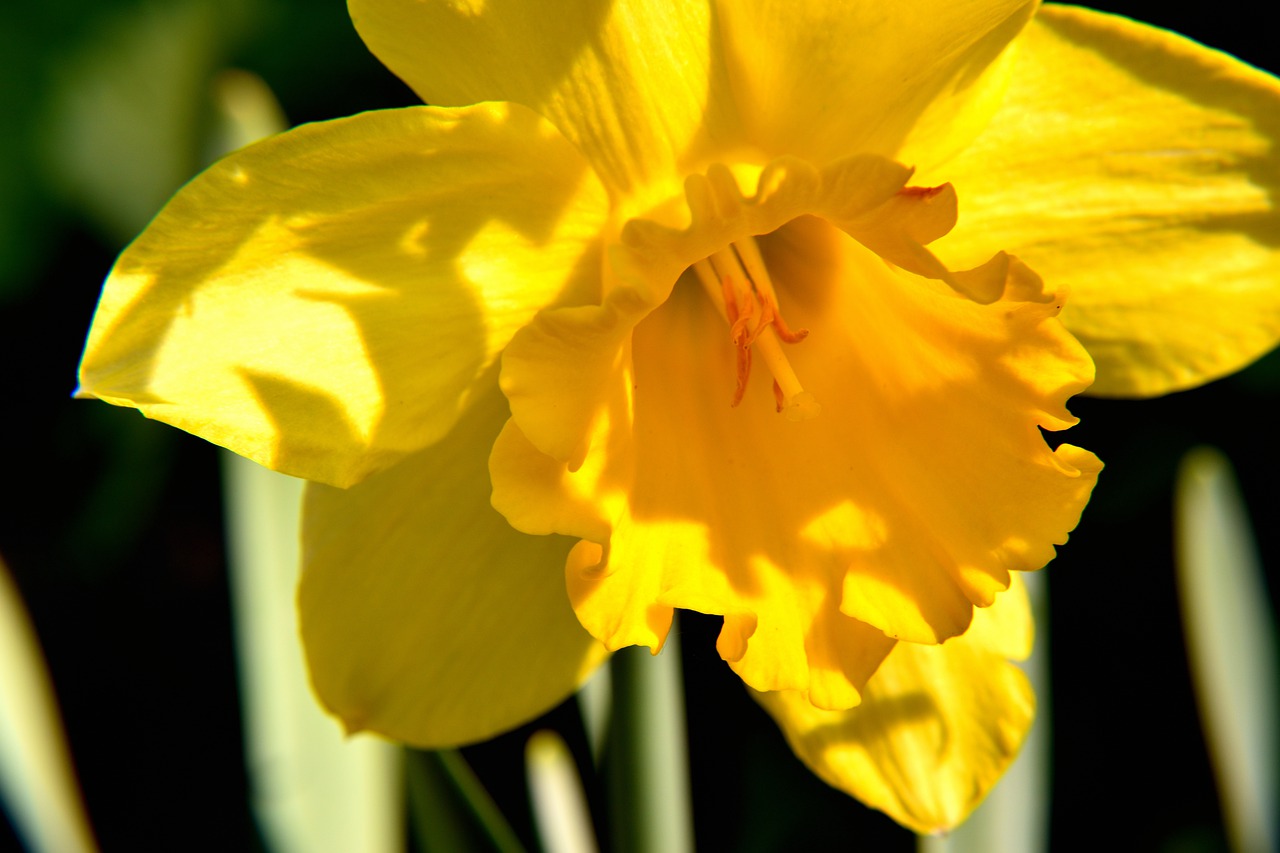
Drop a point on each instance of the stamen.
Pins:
(784, 331)
(730, 300)
(720, 292)
(738, 283)
(743, 374)
(749, 252)
(799, 404)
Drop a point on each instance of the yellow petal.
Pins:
(325, 302)
(924, 481)
(1140, 170)
(425, 616)
(629, 82)
(937, 727)
(823, 80)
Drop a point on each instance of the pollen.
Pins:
(738, 284)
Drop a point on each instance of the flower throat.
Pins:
(738, 284)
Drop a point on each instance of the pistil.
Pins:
(739, 285)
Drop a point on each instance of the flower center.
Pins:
(738, 284)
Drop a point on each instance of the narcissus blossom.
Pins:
(757, 309)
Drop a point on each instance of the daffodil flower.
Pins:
(643, 307)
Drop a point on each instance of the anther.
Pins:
(738, 283)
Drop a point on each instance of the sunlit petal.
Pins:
(1140, 170)
(937, 727)
(823, 80)
(635, 85)
(325, 302)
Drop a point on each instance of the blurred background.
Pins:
(113, 525)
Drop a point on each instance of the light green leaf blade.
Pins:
(1231, 643)
(37, 781)
(312, 787)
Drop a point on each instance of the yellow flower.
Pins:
(577, 288)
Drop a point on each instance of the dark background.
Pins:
(112, 525)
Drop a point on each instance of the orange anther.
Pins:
(747, 300)
(744, 373)
(784, 331)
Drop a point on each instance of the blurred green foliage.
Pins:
(107, 104)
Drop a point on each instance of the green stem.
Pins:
(649, 762)
(450, 808)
